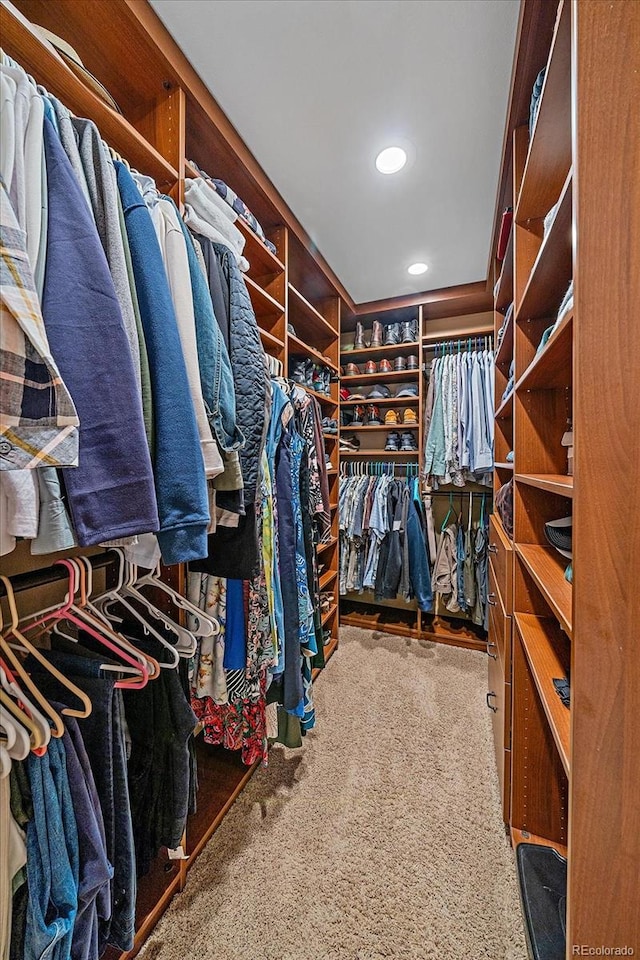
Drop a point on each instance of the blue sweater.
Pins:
(181, 486)
(111, 491)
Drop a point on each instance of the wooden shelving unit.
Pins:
(568, 790)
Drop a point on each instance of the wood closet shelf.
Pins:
(329, 651)
(370, 353)
(504, 290)
(308, 321)
(329, 543)
(297, 346)
(523, 836)
(404, 376)
(547, 567)
(329, 614)
(503, 466)
(382, 402)
(41, 60)
(387, 427)
(268, 340)
(549, 157)
(505, 410)
(551, 482)
(256, 252)
(549, 655)
(328, 577)
(551, 271)
(263, 303)
(320, 397)
(504, 353)
(551, 367)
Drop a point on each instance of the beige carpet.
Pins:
(381, 838)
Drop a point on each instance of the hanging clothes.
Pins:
(459, 419)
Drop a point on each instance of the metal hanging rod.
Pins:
(459, 344)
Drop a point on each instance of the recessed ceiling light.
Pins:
(417, 268)
(391, 160)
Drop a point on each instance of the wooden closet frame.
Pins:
(570, 778)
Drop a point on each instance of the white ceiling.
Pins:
(317, 87)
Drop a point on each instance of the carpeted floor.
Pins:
(381, 838)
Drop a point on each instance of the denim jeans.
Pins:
(52, 859)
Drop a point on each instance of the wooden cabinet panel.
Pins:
(501, 556)
(499, 702)
(499, 625)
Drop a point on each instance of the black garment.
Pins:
(161, 723)
(233, 551)
(293, 691)
(22, 813)
(390, 562)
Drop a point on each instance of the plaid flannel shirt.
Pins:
(38, 420)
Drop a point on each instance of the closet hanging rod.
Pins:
(47, 575)
(460, 492)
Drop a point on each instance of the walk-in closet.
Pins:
(316, 347)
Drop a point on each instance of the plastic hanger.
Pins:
(93, 616)
(111, 597)
(186, 642)
(449, 512)
(207, 626)
(69, 611)
(12, 689)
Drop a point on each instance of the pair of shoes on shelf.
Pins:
(312, 375)
(351, 444)
(329, 425)
(403, 443)
(369, 416)
(409, 417)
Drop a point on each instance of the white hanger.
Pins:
(17, 693)
(207, 626)
(110, 597)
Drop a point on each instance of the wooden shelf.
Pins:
(268, 340)
(383, 621)
(523, 836)
(551, 482)
(551, 271)
(308, 322)
(546, 567)
(505, 410)
(503, 466)
(325, 546)
(329, 650)
(504, 354)
(404, 376)
(382, 402)
(321, 397)
(370, 353)
(327, 577)
(549, 157)
(39, 58)
(392, 454)
(330, 612)
(258, 255)
(548, 653)
(551, 367)
(330, 436)
(355, 428)
(263, 303)
(504, 289)
(297, 346)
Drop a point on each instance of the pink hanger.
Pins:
(68, 611)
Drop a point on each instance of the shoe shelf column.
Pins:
(380, 425)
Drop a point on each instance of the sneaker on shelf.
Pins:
(412, 362)
(325, 380)
(353, 370)
(298, 371)
(391, 334)
(391, 418)
(292, 330)
(349, 443)
(344, 394)
(370, 367)
(326, 638)
(409, 416)
(385, 366)
(329, 425)
(393, 441)
(400, 364)
(377, 335)
(358, 415)
(408, 443)
(373, 415)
